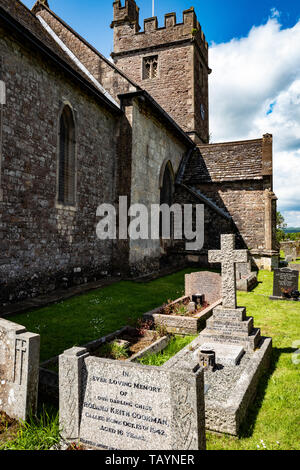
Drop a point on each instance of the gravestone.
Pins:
(246, 279)
(242, 355)
(285, 282)
(291, 249)
(19, 370)
(118, 405)
(206, 283)
(243, 270)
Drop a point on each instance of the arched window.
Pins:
(166, 197)
(167, 189)
(66, 168)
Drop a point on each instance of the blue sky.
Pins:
(255, 84)
(221, 20)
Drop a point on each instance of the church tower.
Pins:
(170, 62)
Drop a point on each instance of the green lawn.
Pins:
(274, 417)
(87, 317)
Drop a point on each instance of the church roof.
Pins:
(17, 16)
(228, 161)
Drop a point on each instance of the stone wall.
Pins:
(152, 148)
(215, 224)
(235, 175)
(41, 242)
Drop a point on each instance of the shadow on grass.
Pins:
(247, 427)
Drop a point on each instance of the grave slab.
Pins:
(226, 354)
(229, 390)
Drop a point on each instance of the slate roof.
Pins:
(229, 161)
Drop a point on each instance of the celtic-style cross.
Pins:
(228, 257)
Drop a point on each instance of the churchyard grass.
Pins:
(273, 418)
(84, 318)
(176, 344)
(38, 433)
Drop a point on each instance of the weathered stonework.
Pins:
(19, 370)
(43, 244)
(126, 406)
(124, 141)
(181, 83)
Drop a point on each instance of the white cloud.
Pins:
(255, 89)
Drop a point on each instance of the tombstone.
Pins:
(290, 250)
(243, 270)
(241, 354)
(229, 324)
(205, 282)
(117, 405)
(246, 280)
(19, 370)
(295, 267)
(285, 282)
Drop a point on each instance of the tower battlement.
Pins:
(127, 34)
(129, 13)
(169, 61)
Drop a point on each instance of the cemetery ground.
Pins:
(273, 418)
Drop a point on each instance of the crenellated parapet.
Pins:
(128, 36)
(169, 61)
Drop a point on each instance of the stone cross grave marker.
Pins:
(19, 370)
(229, 324)
(120, 405)
(228, 257)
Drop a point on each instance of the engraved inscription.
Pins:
(126, 411)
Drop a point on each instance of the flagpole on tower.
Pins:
(153, 8)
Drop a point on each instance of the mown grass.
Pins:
(176, 344)
(274, 416)
(87, 317)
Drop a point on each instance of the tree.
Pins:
(280, 226)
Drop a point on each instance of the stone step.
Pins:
(230, 314)
(255, 338)
(250, 342)
(245, 326)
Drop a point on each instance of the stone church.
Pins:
(79, 130)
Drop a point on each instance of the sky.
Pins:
(255, 83)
